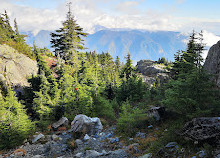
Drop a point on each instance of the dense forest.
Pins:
(99, 86)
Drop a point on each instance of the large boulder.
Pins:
(212, 63)
(15, 67)
(203, 129)
(86, 125)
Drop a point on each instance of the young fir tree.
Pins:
(68, 40)
(8, 26)
(117, 63)
(128, 69)
(132, 87)
(176, 65)
(15, 125)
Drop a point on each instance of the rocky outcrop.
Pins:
(15, 67)
(151, 70)
(212, 63)
(86, 125)
(203, 129)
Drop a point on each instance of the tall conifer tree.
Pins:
(68, 40)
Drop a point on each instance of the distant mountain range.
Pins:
(141, 44)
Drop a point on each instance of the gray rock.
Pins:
(86, 137)
(92, 153)
(201, 154)
(38, 137)
(37, 156)
(78, 155)
(78, 142)
(171, 145)
(86, 125)
(150, 126)
(114, 140)
(212, 61)
(120, 153)
(141, 135)
(149, 67)
(15, 67)
(109, 135)
(62, 122)
(55, 137)
(104, 152)
(54, 149)
(171, 150)
(203, 129)
(134, 148)
(149, 155)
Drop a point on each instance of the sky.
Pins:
(152, 15)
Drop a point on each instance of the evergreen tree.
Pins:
(18, 37)
(8, 26)
(176, 67)
(15, 125)
(191, 94)
(117, 63)
(41, 63)
(68, 40)
(191, 59)
(128, 69)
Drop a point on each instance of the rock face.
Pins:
(203, 129)
(151, 70)
(212, 62)
(86, 125)
(15, 67)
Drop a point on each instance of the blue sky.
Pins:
(166, 15)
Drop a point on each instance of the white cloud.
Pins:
(87, 15)
(32, 19)
(180, 1)
(209, 39)
(128, 7)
